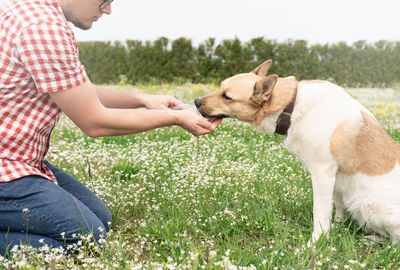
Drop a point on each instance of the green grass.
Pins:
(233, 198)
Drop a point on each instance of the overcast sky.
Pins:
(318, 21)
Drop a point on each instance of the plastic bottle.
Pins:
(186, 107)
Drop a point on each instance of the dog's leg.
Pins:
(323, 182)
(341, 213)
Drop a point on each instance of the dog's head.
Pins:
(247, 96)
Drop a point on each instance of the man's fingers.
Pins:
(205, 124)
(210, 125)
(173, 102)
(215, 122)
(178, 107)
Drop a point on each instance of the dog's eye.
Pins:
(224, 96)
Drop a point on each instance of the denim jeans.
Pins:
(50, 210)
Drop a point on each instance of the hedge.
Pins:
(164, 60)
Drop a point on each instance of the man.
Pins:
(40, 76)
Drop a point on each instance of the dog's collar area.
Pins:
(285, 119)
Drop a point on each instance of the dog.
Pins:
(353, 162)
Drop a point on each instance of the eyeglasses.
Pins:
(105, 4)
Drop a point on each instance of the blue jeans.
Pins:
(69, 208)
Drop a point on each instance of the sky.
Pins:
(317, 21)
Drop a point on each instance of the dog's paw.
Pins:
(316, 235)
(374, 238)
(340, 216)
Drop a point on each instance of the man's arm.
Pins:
(111, 98)
(83, 106)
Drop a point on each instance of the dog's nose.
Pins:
(197, 102)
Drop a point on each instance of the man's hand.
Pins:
(160, 102)
(111, 98)
(195, 124)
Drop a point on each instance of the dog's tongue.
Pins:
(215, 122)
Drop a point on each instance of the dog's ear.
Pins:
(262, 69)
(263, 89)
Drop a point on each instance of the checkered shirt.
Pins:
(38, 56)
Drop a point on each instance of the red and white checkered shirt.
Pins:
(38, 55)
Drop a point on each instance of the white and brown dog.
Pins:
(353, 162)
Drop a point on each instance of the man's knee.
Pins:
(106, 218)
(102, 212)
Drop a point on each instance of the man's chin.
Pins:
(82, 25)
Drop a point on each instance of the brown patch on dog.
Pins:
(364, 147)
(281, 96)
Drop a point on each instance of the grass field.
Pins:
(233, 199)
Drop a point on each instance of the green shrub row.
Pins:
(164, 60)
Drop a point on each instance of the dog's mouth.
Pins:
(215, 120)
(211, 117)
(215, 117)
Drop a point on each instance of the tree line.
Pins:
(163, 60)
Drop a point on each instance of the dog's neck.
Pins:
(282, 95)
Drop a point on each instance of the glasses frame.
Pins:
(105, 4)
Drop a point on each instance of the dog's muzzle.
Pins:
(198, 103)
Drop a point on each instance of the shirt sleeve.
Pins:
(49, 52)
